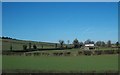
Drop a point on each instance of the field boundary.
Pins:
(62, 53)
(54, 72)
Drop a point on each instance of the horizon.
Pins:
(65, 41)
(54, 21)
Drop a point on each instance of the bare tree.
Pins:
(68, 41)
(61, 43)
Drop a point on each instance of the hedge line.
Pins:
(65, 53)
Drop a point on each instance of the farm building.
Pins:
(89, 46)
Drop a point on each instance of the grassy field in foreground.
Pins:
(62, 64)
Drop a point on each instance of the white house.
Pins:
(89, 46)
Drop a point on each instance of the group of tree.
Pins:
(3, 37)
(100, 43)
(89, 42)
(78, 44)
(29, 46)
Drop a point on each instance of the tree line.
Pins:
(3, 37)
(77, 44)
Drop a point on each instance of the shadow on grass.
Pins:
(38, 72)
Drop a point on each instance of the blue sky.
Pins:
(52, 21)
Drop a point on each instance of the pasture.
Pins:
(107, 62)
(64, 64)
(18, 44)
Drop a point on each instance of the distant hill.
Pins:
(18, 44)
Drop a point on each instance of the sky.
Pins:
(54, 21)
(0, 18)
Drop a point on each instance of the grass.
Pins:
(107, 48)
(56, 63)
(62, 63)
(18, 44)
(0, 62)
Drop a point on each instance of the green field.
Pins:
(18, 44)
(100, 63)
(61, 63)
